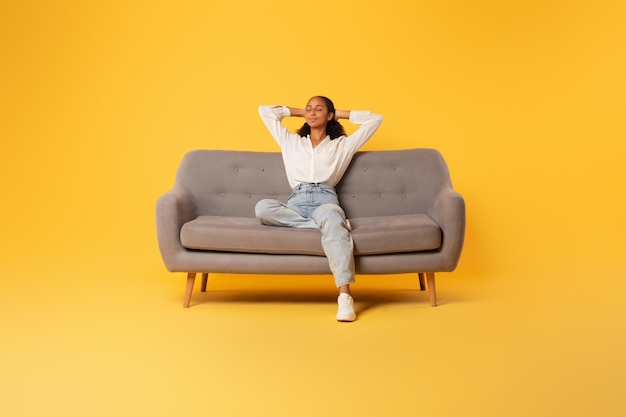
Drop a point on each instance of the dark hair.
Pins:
(333, 128)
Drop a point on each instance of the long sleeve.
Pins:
(369, 123)
(272, 118)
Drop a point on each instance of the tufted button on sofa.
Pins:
(404, 215)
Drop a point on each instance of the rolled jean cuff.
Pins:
(345, 281)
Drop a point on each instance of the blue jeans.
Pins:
(315, 206)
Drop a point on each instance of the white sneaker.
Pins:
(345, 310)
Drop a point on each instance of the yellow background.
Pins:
(100, 100)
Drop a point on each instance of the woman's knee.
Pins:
(264, 207)
(329, 213)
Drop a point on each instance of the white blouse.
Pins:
(328, 161)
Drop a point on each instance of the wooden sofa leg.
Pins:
(205, 279)
(421, 277)
(191, 279)
(430, 278)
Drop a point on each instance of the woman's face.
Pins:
(316, 113)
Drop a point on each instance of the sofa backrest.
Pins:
(377, 183)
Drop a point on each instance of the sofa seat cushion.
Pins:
(395, 234)
(372, 235)
(246, 234)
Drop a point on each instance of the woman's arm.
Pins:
(342, 114)
(296, 112)
(272, 116)
(368, 124)
(339, 114)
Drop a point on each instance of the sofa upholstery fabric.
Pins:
(372, 235)
(405, 215)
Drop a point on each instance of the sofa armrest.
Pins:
(173, 209)
(448, 210)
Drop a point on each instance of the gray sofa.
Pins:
(405, 217)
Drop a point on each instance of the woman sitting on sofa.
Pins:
(315, 158)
